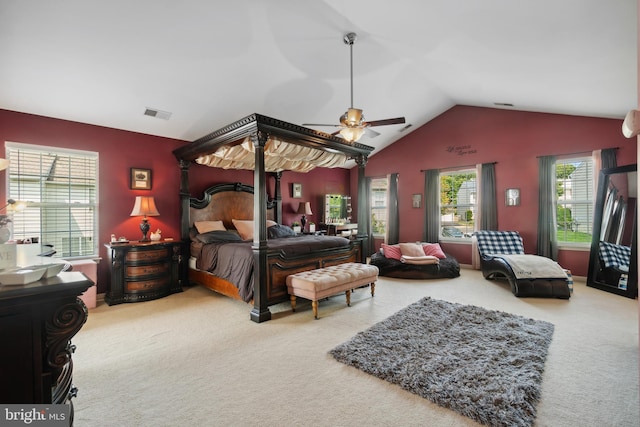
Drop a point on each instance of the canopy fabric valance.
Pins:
(278, 156)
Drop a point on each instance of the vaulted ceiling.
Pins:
(209, 63)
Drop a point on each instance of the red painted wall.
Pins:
(120, 150)
(466, 136)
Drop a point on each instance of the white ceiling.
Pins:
(210, 63)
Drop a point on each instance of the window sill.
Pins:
(574, 247)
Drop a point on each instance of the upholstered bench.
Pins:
(324, 282)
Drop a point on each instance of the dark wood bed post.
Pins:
(278, 197)
(363, 215)
(184, 200)
(260, 311)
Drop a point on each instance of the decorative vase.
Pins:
(5, 234)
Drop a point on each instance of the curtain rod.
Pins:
(578, 153)
(460, 167)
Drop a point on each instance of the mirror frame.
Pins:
(594, 259)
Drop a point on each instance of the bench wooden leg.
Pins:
(293, 302)
(348, 294)
(373, 288)
(314, 305)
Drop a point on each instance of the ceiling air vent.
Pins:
(159, 114)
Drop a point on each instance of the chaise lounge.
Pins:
(502, 257)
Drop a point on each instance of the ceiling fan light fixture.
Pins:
(353, 117)
(352, 134)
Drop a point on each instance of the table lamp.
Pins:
(304, 208)
(145, 206)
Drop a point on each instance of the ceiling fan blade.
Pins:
(396, 121)
(320, 124)
(370, 132)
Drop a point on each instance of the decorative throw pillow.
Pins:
(206, 226)
(391, 251)
(411, 249)
(244, 227)
(433, 249)
(277, 231)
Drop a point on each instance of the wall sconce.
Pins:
(144, 206)
(512, 197)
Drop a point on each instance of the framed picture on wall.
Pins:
(297, 191)
(140, 179)
(512, 197)
(416, 200)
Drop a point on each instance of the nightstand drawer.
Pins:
(147, 255)
(147, 285)
(147, 270)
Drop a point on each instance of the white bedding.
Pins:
(533, 267)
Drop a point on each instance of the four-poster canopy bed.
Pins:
(264, 145)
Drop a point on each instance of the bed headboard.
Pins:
(226, 202)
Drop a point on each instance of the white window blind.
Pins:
(60, 188)
(575, 184)
(379, 194)
(458, 203)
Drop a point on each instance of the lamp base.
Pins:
(303, 221)
(144, 227)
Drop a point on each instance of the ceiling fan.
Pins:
(352, 122)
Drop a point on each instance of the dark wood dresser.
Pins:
(142, 271)
(37, 322)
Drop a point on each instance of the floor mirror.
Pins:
(613, 258)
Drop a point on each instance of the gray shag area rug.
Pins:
(486, 365)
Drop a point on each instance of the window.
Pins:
(458, 203)
(575, 185)
(60, 189)
(379, 201)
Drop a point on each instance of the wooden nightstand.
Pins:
(142, 271)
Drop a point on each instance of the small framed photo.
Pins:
(140, 179)
(297, 191)
(416, 200)
(512, 197)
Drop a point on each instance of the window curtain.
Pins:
(393, 232)
(547, 228)
(431, 206)
(488, 202)
(370, 245)
(608, 158)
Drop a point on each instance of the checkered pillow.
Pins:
(499, 242)
(616, 256)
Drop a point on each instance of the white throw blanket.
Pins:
(420, 260)
(533, 267)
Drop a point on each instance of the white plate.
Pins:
(52, 269)
(21, 276)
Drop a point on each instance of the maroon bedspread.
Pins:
(234, 261)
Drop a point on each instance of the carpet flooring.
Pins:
(484, 364)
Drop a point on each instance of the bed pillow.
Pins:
(391, 251)
(206, 226)
(277, 231)
(411, 249)
(218, 236)
(245, 227)
(433, 249)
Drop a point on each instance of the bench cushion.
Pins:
(315, 284)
